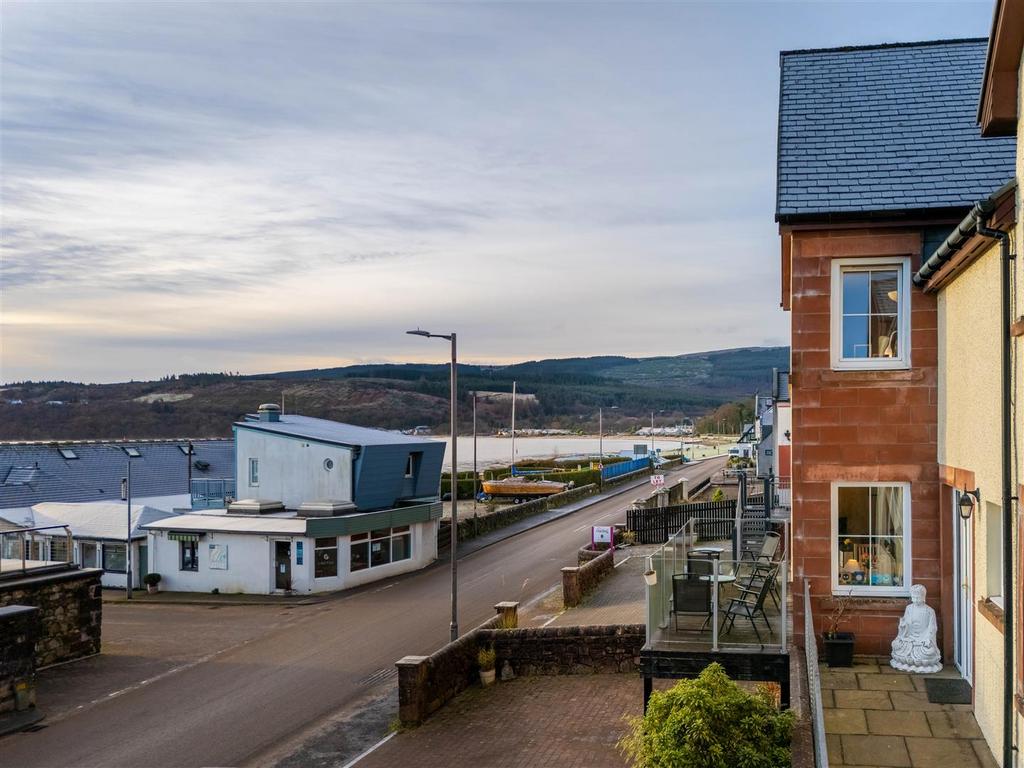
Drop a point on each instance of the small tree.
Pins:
(718, 495)
(710, 722)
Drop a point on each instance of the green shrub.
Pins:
(718, 495)
(151, 579)
(710, 722)
(486, 657)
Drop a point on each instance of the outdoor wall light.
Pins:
(786, 433)
(968, 500)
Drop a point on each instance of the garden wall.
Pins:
(70, 611)
(19, 628)
(427, 683)
(579, 581)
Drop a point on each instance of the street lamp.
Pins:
(455, 479)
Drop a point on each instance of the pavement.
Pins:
(876, 717)
(202, 685)
(534, 722)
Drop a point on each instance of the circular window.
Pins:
(328, 464)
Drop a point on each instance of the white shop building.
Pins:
(324, 506)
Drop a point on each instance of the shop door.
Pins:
(282, 565)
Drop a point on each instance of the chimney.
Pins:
(269, 412)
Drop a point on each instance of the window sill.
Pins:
(993, 613)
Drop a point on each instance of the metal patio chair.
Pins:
(691, 597)
(759, 574)
(750, 605)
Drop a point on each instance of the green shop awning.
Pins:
(180, 536)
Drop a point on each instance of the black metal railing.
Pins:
(714, 520)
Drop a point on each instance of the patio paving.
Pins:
(877, 717)
(541, 722)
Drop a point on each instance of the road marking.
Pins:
(551, 619)
(376, 746)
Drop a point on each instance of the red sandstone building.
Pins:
(879, 159)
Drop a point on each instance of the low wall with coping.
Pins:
(427, 683)
(70, 607)
(581, 580)
(568, 650)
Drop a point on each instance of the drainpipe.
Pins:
(1008, 496)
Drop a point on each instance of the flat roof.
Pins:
(263, 524)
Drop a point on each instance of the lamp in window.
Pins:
(968, 501)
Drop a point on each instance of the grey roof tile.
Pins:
(161, 469)
(885, 128)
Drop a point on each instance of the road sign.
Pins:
(658, 481)
(602, 534)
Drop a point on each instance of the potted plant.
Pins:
(152, 582)
(838, 645)
(485, 657)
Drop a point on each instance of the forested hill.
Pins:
(568, 392)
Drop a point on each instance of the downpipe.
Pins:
(1008, 496)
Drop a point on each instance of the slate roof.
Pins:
(885, 129)
(31, 473)
(329, 431)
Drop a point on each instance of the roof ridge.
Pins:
(883, 46)
(115, 441)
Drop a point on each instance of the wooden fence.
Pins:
(716, 520)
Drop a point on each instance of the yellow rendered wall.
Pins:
(969, 438)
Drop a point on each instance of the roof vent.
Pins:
(326, 508)
(269, 412)
(254, 507)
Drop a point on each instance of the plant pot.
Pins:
(839, 649)
(486, 677)
(152, 588)
(651, 577)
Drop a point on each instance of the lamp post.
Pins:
(455, 478)
(128, 542)
(476, 476)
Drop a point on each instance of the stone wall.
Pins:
(578, 582)
(568, 650)
(19, 627)
(70, 611)
(427, 683)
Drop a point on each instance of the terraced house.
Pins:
(880, 159)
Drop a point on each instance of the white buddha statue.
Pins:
(914, 649)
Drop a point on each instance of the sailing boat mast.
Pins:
(513, 428)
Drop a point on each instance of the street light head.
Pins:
(418, 332)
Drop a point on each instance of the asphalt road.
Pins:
(239, 706)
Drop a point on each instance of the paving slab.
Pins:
(984, 754)
(898, 723)
(841, 721)
(954, 725)
(913, 700)
(932, 752)
(833, 680)
(880, 751)
(859, 699)
(885, 682)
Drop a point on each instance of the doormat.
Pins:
(946, 690)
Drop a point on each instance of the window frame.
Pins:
(868, 590)
(318, 548)
(903, 314)
(254, 472)
(103, 557)
(367, 539)
(410, 467)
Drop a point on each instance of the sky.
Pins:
(261, 187)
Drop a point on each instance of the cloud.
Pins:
(261, 186)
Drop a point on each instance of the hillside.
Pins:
(396, 396)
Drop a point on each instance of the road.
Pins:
(243, 703)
